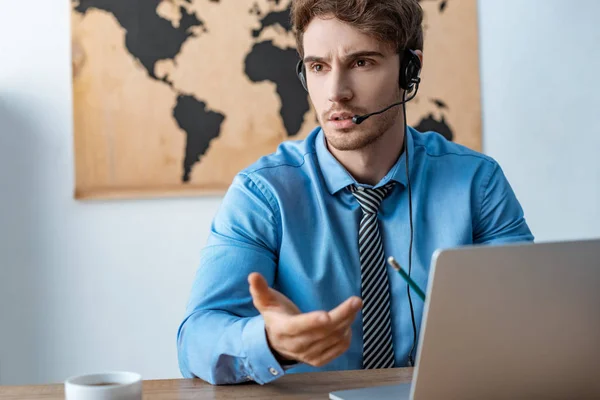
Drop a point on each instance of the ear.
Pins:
(419, 53)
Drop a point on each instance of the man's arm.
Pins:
(500, 217)
(222, 338)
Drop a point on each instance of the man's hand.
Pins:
(314, 338)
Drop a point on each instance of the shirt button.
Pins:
(248, 378)
(273, 371)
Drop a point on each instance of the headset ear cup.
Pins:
(402, 78)
(300, 71)
(410, 68)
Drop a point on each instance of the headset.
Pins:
(409, 80)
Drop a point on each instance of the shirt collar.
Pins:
(337, 177)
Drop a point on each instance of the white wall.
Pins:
(87, 286)
(84, 286)
(541, 92)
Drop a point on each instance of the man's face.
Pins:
(350, 73)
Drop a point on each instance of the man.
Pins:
(293, 277)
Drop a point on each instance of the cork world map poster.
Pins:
(174, 97)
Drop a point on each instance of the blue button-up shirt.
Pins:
(291, 217)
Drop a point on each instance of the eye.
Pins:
(316, 67)
(362, 63)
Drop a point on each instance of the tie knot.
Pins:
(370, 199)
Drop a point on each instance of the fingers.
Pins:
(322, 323)
(345, 313)
(307, 322)
(307, 350)
(317, 348)
(334, 339)
(326, 355)
(262, 297)
(313, 341)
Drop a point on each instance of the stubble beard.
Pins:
(362, 136)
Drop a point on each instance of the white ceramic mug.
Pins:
(104, 386)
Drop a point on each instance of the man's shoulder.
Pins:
(289, 158)
(434, 146)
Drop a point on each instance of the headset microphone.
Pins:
(359, 119)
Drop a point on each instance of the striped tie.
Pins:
(378, 350)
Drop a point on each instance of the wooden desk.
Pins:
(293, 386)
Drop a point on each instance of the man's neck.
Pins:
(370, 164)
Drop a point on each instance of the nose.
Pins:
(339, 89)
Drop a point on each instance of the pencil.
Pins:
(407, 278)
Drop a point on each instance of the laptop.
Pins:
(507, 321)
